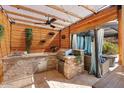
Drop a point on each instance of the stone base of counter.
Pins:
(21, 82)
(19, 68)
(72, 67)
(71, 70)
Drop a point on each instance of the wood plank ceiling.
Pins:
(66, 15)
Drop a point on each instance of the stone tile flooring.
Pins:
(21, 82)
(54, 79)
(112, 68)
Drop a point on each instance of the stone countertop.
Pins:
(69, 57)
(31, 55)
(109, 56)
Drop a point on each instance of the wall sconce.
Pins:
(51, 33)
(63, 36)
(42, 41)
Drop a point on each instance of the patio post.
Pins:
(121, 34)
(96, 53)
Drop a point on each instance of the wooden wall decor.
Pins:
(55, 41)
(42, 41)
(51, 33)
(63, 36)
(65, 43)
(18, 38)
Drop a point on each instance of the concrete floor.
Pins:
(54, 79)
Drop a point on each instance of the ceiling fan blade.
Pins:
(52, 26)
(52, 20)
(40, 23)
(12, 22)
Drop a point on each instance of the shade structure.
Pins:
(66, 15)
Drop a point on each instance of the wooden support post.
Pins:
(96, 53)
(59, 39)
(69, 45)
(1, 72)
(121, 34)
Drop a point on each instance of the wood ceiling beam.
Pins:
(27, 21)
(63, 11)
(104, 6)
(31, 17)
(39, 12)
(25, 16)
(88, 8)
(17, 23)
(96, 20)
(31, 24)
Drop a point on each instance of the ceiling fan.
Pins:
(12, 22)
(49, 22)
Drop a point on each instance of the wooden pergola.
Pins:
(93, 19)
(69, 20)
(65, 15)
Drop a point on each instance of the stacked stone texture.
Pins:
(20, 68)
(72, 68)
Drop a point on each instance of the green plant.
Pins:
(53, 48)
(1, 32)
(77, 54)
(110, 48)
(28, 39)
(78, 59)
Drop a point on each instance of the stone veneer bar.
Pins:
(17, 67)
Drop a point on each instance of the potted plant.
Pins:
(110, 49)
(53, 48)
(28, 39)
(1, 32)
